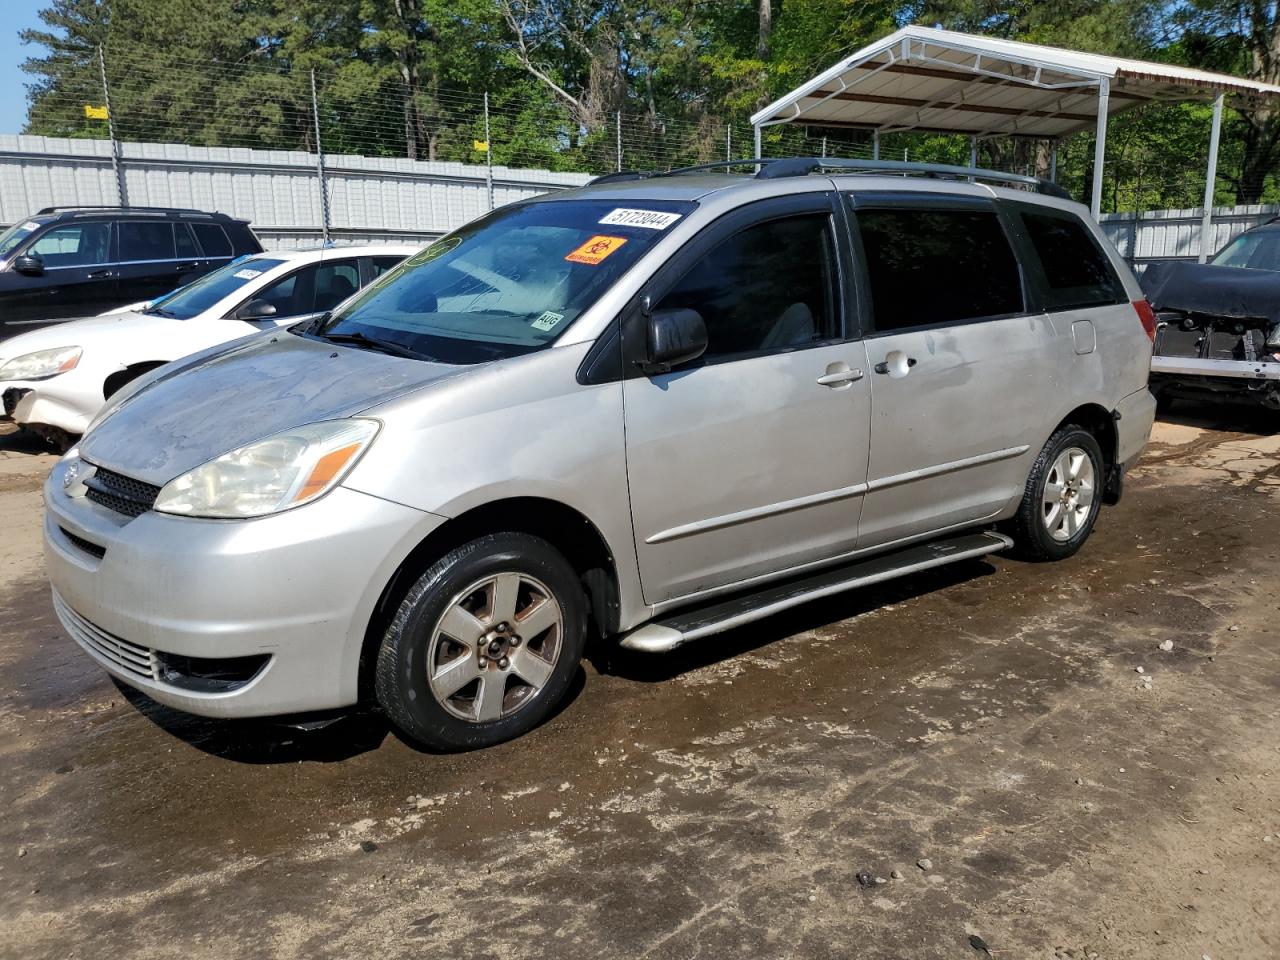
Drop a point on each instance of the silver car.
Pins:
(647, 410)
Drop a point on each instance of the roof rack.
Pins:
(779, 167)
(74, 208)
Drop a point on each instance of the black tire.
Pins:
(401, 682)
(1164, 401)
(1033, 539)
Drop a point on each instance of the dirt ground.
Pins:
(983, 731)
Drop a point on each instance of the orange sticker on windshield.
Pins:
(595, 250)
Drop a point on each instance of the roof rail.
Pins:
(620, 176)
(779, 167)
(78, 206)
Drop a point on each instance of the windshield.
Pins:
(507, 284)
(11, 238)
(1258, 249)
(198, 296)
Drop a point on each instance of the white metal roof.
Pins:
(927, 79)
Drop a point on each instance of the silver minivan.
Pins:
(647, 410)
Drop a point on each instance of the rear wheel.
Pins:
(1062, 496)
(484, 645)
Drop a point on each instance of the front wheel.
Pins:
(484, 645)
(1062, 496)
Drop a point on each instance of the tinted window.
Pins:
(335, 282)
(771, 287)
(212, 239)
(75, 245)
(937, 266)
(382, 264)
(146, 240)
(199, 295)
(16, 234)
(185, 243)
(1074, 270)
(293, 295)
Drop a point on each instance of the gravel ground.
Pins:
(981, 738)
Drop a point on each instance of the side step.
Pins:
(659, 636)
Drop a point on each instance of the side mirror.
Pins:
(29, 264)
(256, 310)
(674, 337)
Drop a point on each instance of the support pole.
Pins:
(117, 164)
(1211, 178)
(1099, 148)
(973, 151)
(757, 137)
(875, 144)
(324, 187)
(824, 148)
(1053, 161)
(488, 152)
(728, 142)
(617, 124)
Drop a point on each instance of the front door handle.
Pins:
(185, 267)
(839, 373)
(897, 364)
(101, 275)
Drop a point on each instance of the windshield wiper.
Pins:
(372, 343)
(160, 312)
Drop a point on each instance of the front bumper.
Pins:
(59, 402)
(290, 594)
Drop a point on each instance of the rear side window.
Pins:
(769, 288)
(928, 267)
(213, 241)
(382, 264)
(146, 240)
(1073, 270)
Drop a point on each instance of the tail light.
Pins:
(1147, 314)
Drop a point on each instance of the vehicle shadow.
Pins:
(13, 440)
(266, 740)
(610, 658)
(332, 738)
(1233, 417)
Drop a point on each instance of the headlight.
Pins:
(42, 364)
(280, 472)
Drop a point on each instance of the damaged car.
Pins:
(1218, 333)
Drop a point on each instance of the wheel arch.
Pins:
(1100, 422)
(566, 529)
(120, 378)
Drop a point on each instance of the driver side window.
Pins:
(767, 289)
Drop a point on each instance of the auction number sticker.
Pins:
(596, 249)
(31, 225)
(648, 219)
(247, 274)
(547, 321)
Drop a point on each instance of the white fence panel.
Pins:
(1175, 234)
(371, 198)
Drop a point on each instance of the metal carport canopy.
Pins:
(921, 78)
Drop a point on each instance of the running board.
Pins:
(659, 636)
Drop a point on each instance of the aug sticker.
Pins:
(595, 250)
(547, 321)
(648, 219)
(247, 274)
(31, 225)
(437, 249)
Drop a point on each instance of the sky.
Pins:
(19, 15)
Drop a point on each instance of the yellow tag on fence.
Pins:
(95, 113)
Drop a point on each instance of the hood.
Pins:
(244, 393)
(85, 333)
(1216, 290)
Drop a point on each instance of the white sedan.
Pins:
(53, 381)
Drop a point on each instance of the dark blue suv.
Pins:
(76, 262)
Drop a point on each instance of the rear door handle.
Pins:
(185, 267)
(836, 377)
(101, 275)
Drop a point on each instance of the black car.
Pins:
(1219, 323)
(76, 262)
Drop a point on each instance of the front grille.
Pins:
(122, 494)
(129, 657)
(86, 545)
